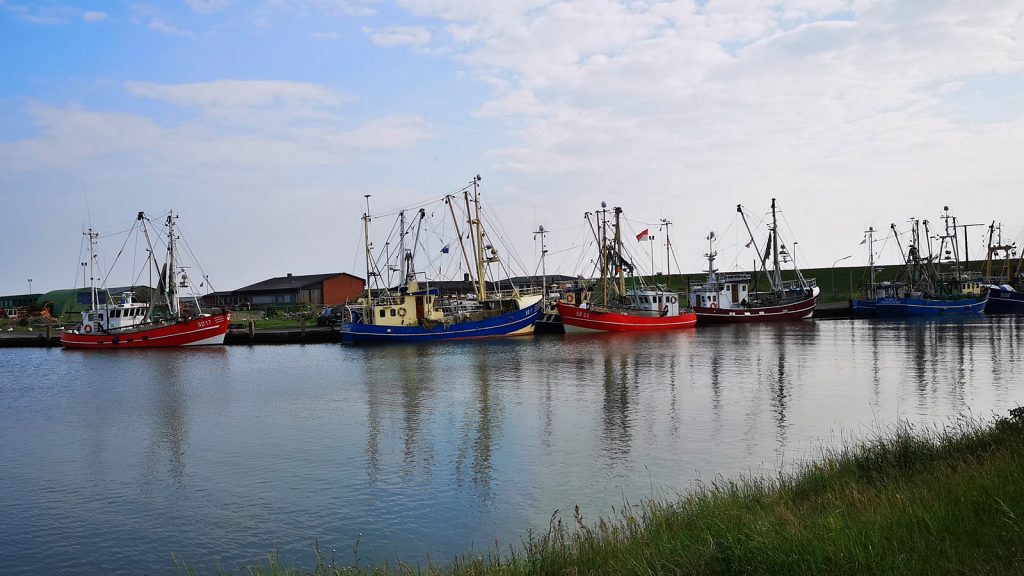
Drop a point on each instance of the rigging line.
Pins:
(417, 206)
(195, 261)
(579, 257)
(114, 263)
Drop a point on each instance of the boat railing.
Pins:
(796, 285)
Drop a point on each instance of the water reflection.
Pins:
(429, 449)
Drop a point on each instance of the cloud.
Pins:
(325, 35)
(686, 104)
(167, 28)
(244, 126)
(399, 36)
(361, 8)
(231, 97)
(93, 16)
(45, 15)
(208, 6)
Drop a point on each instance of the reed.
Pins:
(907, 501)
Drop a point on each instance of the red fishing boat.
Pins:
(733, 298)
(613, 308)
(166, 320)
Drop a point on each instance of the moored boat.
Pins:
(1006, 289)
(732, 297)
(925, 286)
(161, 322)
(415, 311)
(612, 307)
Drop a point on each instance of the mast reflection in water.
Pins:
(223, 455)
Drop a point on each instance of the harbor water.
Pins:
(112, 461)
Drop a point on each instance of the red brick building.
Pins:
(317, 289)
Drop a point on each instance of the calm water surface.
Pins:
(112, 461)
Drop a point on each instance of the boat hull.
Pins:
(549, 323)
(864, 308)
(1001, 301)
(577, 320)
(202, 331)
(516, 323)
(903, 307)
(797, 310)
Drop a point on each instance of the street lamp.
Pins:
(834, 274)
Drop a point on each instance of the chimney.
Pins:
(289, 275)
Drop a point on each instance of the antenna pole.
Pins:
(368, 314)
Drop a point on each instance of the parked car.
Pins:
(330, 315)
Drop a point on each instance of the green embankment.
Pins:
(911, 502)
(837, 285)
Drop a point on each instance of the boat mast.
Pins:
(93, 293)
(711, 258)
(604, 251)
(410, 268)
(172, 285)
(777, 271)
(152, 260)
(480, 270)
(543, 267)
(402, 267)
(618, 252)
(871, 261)
(462, 245)
(668, 253)
(368, 315)
(739, 208)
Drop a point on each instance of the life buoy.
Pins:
(87, 328)
(713, 305)
(570, 298)
(401, 311)
(672, 299)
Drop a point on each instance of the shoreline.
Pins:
(910, 501)
(50, 337)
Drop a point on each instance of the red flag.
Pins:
(642, 235)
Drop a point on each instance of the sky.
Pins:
(263, 124)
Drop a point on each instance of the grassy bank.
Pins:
(911, 502)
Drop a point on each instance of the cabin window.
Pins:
(382, 313)
(728, 286)
(743, 288)
(392, 312)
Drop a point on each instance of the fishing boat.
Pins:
(733, 297)
(614, 308)
(1005, 289)
(122, 321)
(936, 284)
(417, 311)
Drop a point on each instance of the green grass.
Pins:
(910, 502)
(837, 285)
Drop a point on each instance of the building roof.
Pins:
(290, 282)
(538, 280)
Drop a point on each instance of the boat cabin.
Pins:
(725, 291)
(655, 302)
(126, 313)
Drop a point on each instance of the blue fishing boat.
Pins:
(1005, 288)
(1004, 299)
(936, 284)
(418, 311)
